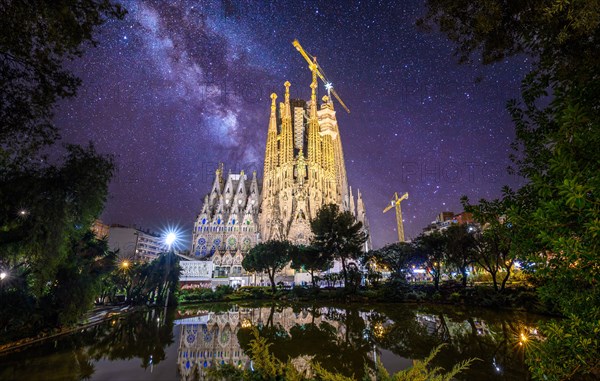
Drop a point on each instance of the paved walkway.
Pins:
(93, 317)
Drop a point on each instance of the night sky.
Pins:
(177, 87)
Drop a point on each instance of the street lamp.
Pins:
(3, 275)
(170, 239)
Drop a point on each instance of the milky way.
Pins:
(177, 87)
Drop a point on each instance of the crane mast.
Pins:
(395, 202)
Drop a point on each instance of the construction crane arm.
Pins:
(304, 54)
(335, 94)
(388, 207)
(312, 65)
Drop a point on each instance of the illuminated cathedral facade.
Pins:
(303, 170)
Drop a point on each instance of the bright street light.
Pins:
(170, 239)
(3, 275)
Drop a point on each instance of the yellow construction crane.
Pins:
(314, 66)
(396, 203)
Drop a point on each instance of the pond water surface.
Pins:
(181, 344)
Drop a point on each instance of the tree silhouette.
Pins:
(338, 235)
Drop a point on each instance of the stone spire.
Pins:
(352, 208)
(360, 208)
(314, 139)
(271, 149)
(286, 152)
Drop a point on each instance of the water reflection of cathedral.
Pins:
(212, 338)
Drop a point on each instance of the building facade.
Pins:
(227, 225)
(446, 219)
(135, 244)
(304, 169)
(100, 229)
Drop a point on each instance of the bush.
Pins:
(252, 292)
(196, 295)
(415, 296)
(455, 297)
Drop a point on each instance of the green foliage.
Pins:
(431, 250)
(270, 257)
(200, 295)
(47, 207)
(459, 248)
(43, 210)
(37, 38)
(502, 240)
(146, 283)
(269, 367)
(557, 142)
(338, 235)
(45, 244)
(310, 259)
(397, 258)
(422, 371)
(77, 281)
(571, 348)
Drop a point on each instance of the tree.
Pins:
(459, 248)
(495, 246)
(338, 235)
(270, 257)
(57, 207)
(47, 207)
(397, 257)
(558, 132)
(37, 38)
(431, 249)
(310, 259)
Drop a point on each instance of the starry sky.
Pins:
(179, 86)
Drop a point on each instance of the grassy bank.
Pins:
(520, 298)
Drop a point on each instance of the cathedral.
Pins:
(303, 170)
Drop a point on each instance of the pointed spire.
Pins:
(271, 146)
(217, 187)
(352, 208)
(360, 208)
(287, 85)
(313, 94)
(273, 109)
(286, 147)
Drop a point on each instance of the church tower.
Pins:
(304, 167)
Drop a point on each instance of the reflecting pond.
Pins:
(181, 344)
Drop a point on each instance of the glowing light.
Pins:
(3, 275)
(328, 86)
(125, 264)
(171, 238)
(23, 212)
(523, 337)
(246, 323)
